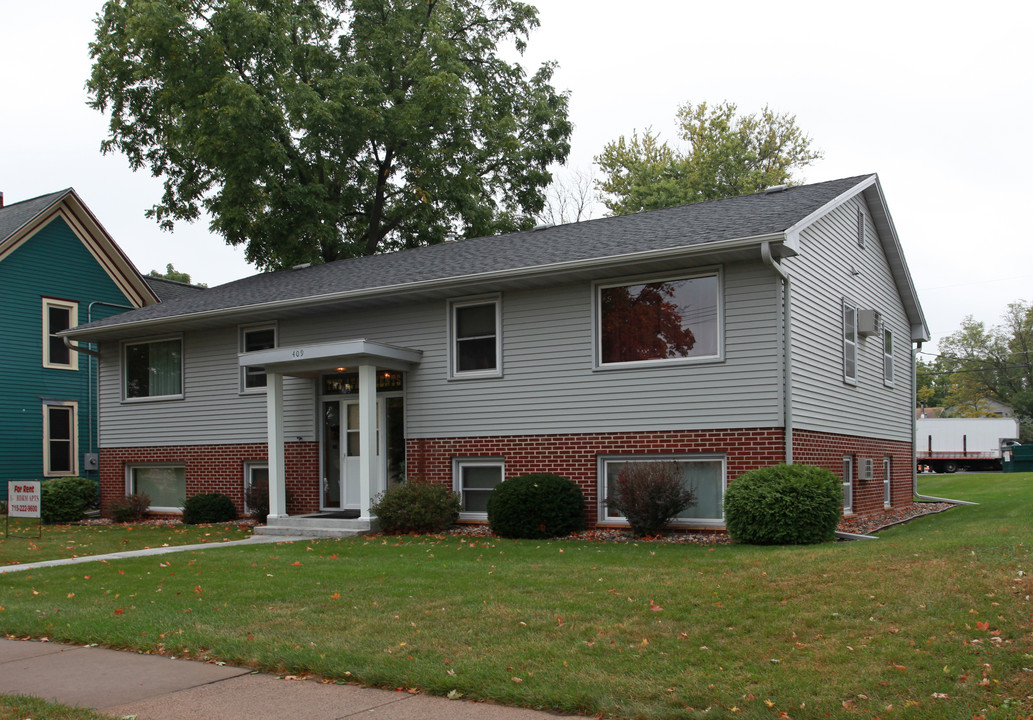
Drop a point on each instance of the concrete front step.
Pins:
(316, 527)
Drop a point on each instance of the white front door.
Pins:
(341, 455)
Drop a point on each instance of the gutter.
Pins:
(787, 326)
(426, 285)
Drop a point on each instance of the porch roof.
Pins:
(312, 360)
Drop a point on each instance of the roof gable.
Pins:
(20, 222)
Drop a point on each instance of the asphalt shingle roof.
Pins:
(656, 230)
(13, 217)
(168, 290)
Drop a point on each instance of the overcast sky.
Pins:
(934, 97)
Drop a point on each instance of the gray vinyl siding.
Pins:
(832, 268)
(548, 383)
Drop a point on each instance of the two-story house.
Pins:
(723, 335)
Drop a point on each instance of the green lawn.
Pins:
(20, 707)
(931, 621)
(68, 541)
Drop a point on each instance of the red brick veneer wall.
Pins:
(827, 450)
(217, 468)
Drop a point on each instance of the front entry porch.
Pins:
(359, 428)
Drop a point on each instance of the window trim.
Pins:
(73, 319)
(73, 427)
(242, 331)
(453, 356)
(849, 346)
(887, 481)
(249, 467)
(848, 484)
(888, 374)
(601, 487)
(716, 271)
(130, 467)
(150, 341)
(457, 480)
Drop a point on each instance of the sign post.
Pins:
(23, 501)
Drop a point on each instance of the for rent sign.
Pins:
(23, 498)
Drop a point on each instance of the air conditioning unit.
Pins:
(867, 469)
(868, 322)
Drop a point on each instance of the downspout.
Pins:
(914, 443)
(787, 386)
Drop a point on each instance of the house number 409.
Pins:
(297, 353)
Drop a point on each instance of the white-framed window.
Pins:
(153, 369)
(652, 320)
(164, 483)
(474, 479)
(256, 480)
(887, 356)
(475, 337)
(252, 338)
(887, 476)
(705, 474)
(59, 315)
(849, 343)
(60, 438)
(848, 484)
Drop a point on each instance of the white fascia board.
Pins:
(307, 358)
(793, 233)
(684, 251)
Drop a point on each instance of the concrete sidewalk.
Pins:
(152, 687)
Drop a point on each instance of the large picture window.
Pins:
(476, 338)
(59, 315)
(153, 369)
(667, 319)
(474, 479)
(252, 339)
(704, 474)
(60, 421)
(165, 485)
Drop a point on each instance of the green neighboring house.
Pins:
(58, 268)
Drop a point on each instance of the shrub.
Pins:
(256, 499)
(536, 506)
(65, 500)
(416, 507)
(650, 495)
(130, 508)
(208, 508)
(784, 505)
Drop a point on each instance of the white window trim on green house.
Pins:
(475, 494)
(253, 379)
(162, 371)
(457, 356)
(711, 498)
(164, 483)
(70, 444)
(712, 320)
(68, 359)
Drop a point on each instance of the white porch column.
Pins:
(368, 468)
(274, 420)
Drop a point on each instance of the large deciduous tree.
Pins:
(727, 155)
(313, 130)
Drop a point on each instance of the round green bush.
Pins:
(784, 505)
(208, 508)
(65, 500)
(536, 506)
(416, 507)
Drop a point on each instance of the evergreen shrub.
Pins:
(784, 505)
(64, 500)
(208, 508)
(416, 507)
(130, 508)
(650, 495)
(536, 506)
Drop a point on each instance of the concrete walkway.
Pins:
(151, 687)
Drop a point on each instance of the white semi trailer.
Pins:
(947, 444)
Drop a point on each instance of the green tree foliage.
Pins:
(727, 155)
(992, 363)
(933, 383)
(171, 273)
(313, 130)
